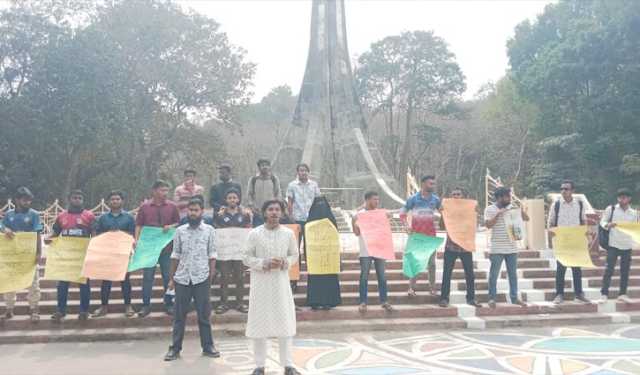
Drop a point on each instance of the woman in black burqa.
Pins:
(323, 291)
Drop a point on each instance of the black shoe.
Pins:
(83, 316)
(172, 355)
(258, 371)
(474, 303)
(291, 371)
(443, 303)
(211, 352)
(144, 311)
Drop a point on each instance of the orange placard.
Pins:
(108, 256)
(294, 271)
(375, 229)
(461, 220)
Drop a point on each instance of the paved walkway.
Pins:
(596, 350)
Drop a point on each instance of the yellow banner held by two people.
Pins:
(65, 258)
(630, 229)
(461, 221)
(108, 256)
(322, 247)
(17, 261)
(571, 246)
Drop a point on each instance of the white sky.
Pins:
(275, 33)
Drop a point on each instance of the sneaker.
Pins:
(8, 314)
(492, 304)
(411, 293)
(387, 307)
(129, 311)
(559, 299)
(221, 309)
(211, 352)
(144, 311)
(258, 371)
(443, 303)
(242, 308)
(474, 303)
(362, 308)
(519, 302)
(291, 371)
(172, 355)
(603, 298)
(624, 298)
(100, 312)
(83, 316)
(57, 317)
(582, 298)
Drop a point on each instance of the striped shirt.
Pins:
(500, 241)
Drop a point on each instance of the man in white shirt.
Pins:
(620, 244)
(567, 212)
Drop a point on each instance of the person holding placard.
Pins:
(453, 251)
(567, 212)
(162, 213)
(192, 268)
(24, 219)
(115, 220)
(74, 222)
(372, 201)
(422, 211)
(232, 215)
(271, 250)
(502, 248)
(620, 244)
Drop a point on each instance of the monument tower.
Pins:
(328, 128)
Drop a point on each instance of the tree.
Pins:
(403, 75)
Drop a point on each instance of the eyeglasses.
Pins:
(565, 189)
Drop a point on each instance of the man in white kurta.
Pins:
(271, 249)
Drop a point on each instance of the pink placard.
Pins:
(376, 230)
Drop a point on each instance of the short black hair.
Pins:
(501, 192)
(458, 188)
(198, 196)
(370, 194)
(232, 191)
(76, 192)
(190, 171)
(23, 192)
(160, 183)
(427, 177)
(573, 185)
(226, 166)
(268, 203)
(263, 161)
(303, 165)
(196, 202)
(624, 192)
(119, 193)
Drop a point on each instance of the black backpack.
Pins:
(556, 208)
(603, 234)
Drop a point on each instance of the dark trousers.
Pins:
(577, 279)
(149, 275)
(231, 271)
(365, 266)
(105, 291)
(625, 264)
(466, 258)
(184, 295)
(63, 294)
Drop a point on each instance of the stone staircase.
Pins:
(536, 271)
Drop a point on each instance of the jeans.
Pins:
(231, 271)
(512, 266)
(63, 294)
(365, 266)
(105, 291)
(625, 264)
(467, 262)
(577, 279)
(148, 277)
(184, 295)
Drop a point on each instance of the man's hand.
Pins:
(133, 246)
(611, 225)
(166, 228)
(9, 233)
(275, 263)
(172, 285)
(501, 211)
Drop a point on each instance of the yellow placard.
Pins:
(322, 247)
(571, 246)
(17, 261)
(460, 220)
(630, 229)
(65, 257)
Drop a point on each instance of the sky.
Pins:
(275, 33)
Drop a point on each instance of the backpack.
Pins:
(603, 234)
(556, 208)
(252, 183)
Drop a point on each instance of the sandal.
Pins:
(411, 293)
(362, 308)
(221, 309)
(242, 308)
(387, 307)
